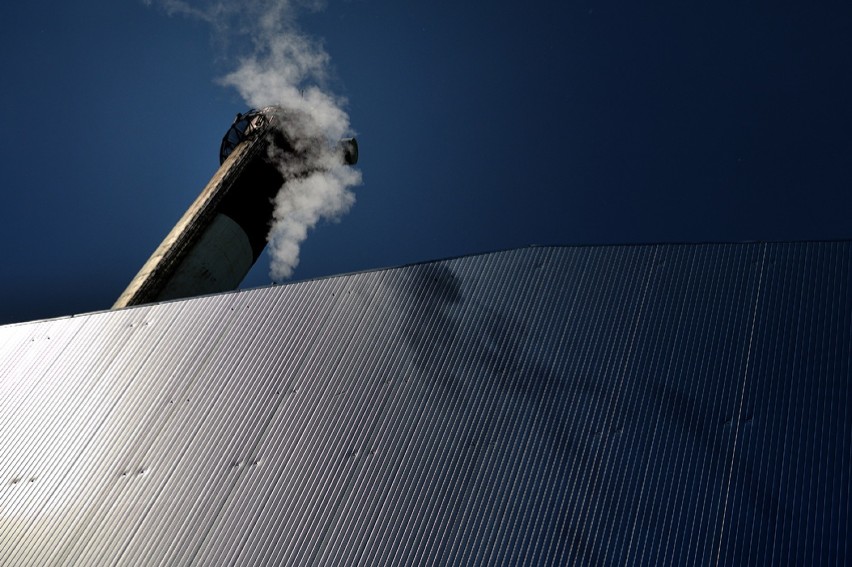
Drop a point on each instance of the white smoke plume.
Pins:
(284, 67)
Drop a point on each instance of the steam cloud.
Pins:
(285, 67)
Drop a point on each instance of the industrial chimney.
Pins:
(221, 235)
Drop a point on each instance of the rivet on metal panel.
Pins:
(16, 480)
(32, 479)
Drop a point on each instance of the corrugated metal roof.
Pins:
(656, 404)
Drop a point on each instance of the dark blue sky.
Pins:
(480, 129)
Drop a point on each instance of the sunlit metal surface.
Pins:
(657, 404)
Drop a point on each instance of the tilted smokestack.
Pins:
(266, 157)
(277, 63)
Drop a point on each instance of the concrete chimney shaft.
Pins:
(221, 235)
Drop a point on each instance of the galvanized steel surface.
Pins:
(644, 404)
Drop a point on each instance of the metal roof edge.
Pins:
(446, 259)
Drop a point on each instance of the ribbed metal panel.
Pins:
(674, 404)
